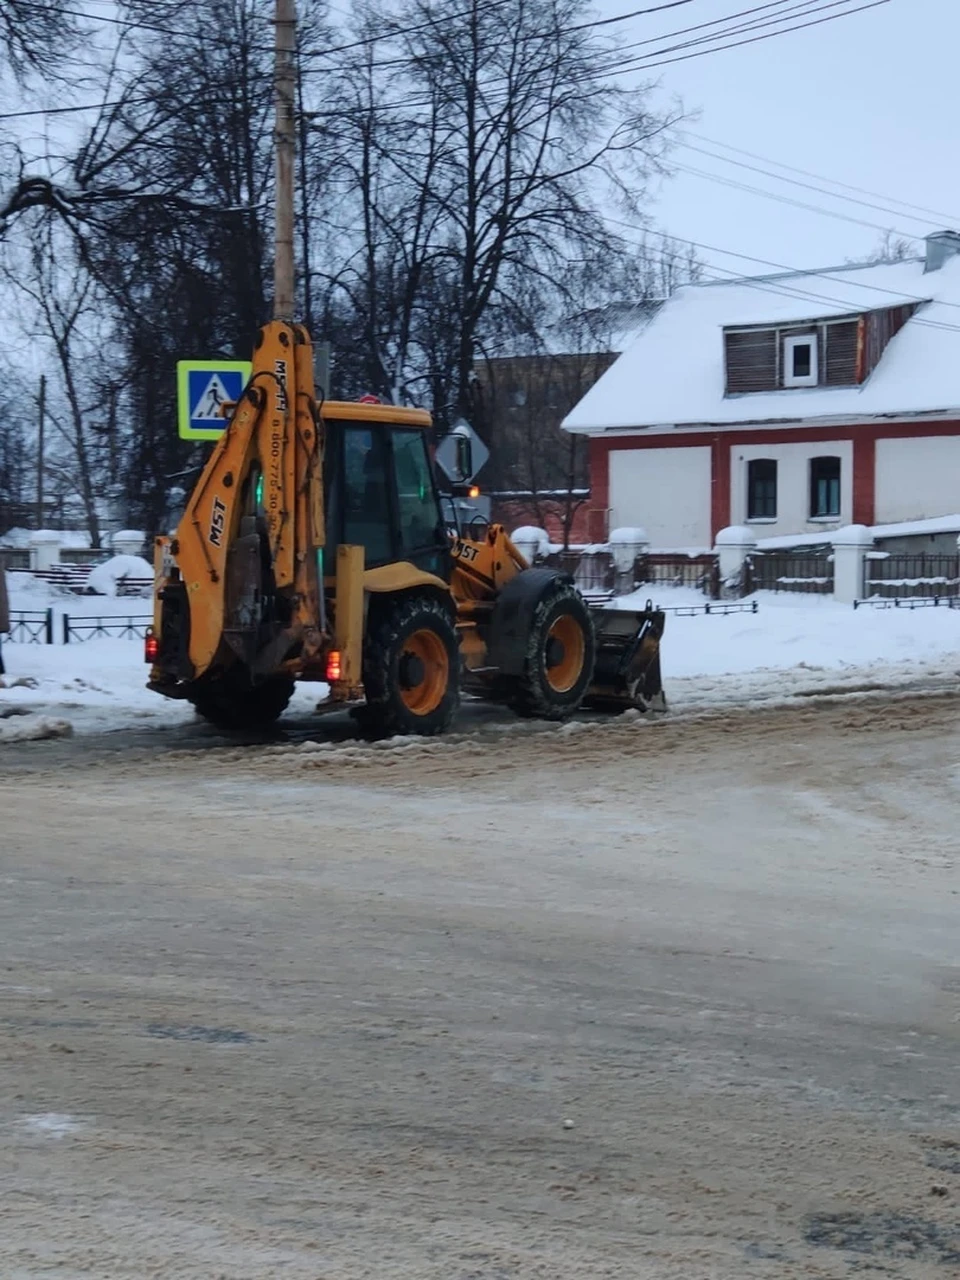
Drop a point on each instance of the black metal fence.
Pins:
(40, 627)
(94, 628)
(803, 571)
(31, 626)
(88, 556)
(592, 571)
(702, 573)
(14, 558)
(716, 608)
(900, 576)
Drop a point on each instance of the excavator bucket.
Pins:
(627, 670)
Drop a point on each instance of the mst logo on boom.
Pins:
(217, 522)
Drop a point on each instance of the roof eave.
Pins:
(818, 420)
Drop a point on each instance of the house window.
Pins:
(824, 487)
(762, 489)
(800, 361)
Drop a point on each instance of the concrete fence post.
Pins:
(850, 547)
(626, 545)
(45, 549)
(733, 546)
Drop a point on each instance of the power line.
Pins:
(807, 173)
(665, 62)
(808, 186)
(127, 23)
(407, 103)
(443, 21)
(620, 70)
(784, 199)
(800, 8)
(787, 290)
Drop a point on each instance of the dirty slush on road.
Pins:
(675, 1000)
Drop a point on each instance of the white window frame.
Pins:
(789, 345)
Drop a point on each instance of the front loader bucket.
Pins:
(627, 670)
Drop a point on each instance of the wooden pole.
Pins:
(285, 146)
(43, 409)
(304, 203)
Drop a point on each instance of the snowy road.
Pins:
(326, 1010)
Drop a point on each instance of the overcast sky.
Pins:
(869, 100)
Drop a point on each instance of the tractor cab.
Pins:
(380, 491)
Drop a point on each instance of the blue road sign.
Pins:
(203, 388)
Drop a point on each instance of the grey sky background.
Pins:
(870, 100)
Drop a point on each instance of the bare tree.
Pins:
(34, 37)
(61, 313)
(484, 143)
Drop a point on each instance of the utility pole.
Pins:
(285, 80)
(304, 202)
(42, 402)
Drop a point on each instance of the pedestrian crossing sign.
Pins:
(203, 388)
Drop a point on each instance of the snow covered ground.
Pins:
(793, 646)
(800, 645)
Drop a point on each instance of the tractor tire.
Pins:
(231, 704)
(558, 667)
(411, 669)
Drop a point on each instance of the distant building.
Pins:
(537, 473)
(796, 403)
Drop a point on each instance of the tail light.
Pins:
(333, 666)
(151, 647)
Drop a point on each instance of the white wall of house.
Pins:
(793, 485)
(917, 478)
(665, 491)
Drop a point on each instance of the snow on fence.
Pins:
(810, 573)
(666, 569)
(594, 570)
(891, 575)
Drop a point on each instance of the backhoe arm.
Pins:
(245, 552)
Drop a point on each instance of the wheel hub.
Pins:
(412, 671)
(554, 652)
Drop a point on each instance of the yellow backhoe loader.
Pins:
(314, 547)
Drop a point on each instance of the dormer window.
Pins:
(841, 351)
(800, 361)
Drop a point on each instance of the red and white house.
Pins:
(794, 403)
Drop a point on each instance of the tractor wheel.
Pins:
(558, 666)
(230, 703)
(411, 669)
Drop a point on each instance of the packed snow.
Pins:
(678, 358)
(110, 578)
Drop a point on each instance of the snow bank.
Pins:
(106, 579)
(33, 728)
(794, 632)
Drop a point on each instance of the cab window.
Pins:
(417, 509)
(366, 500)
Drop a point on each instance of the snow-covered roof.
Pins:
(672, 375)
